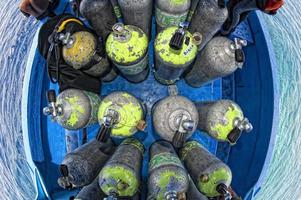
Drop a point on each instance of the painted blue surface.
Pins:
(252, 88)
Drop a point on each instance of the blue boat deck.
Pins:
(253, 88)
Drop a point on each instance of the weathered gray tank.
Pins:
(178, 121)
(82, 50)
(128, 111)
(127, 47)
(170, 64)
(220, 57)
(138, 13)
(167, 175)
(100, 15)
(222, 120)
(193, 193)
(91, 192)
(121, 176)
(80, 167)
(73, 109)
(170, 12)
(208, 173)
(207, 20)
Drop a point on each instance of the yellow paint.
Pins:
(130, 51)
(130, 113)
(82, 50)
(221, 175)
(222, 130)
(119, 179)
(162, 49)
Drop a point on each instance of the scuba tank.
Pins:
(90, 192)
(138, 13)
(170, 64)
(175, 56)
(83, 51)
(127, 47)
(170, 12)
(209, 174)
(208, 20)
(220, 57)
(193, 192)
(73, 109)
(167, 175)
(178, 121)
(126, 113)
(222, 120)
(50, 47)
(121, 175)
(100, 15)
(80, 167)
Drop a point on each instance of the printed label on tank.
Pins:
(164, 159)
(134, 69)
(165, 19)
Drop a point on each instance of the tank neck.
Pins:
(120, 33)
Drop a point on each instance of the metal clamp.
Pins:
(67, 39)
(185, 126)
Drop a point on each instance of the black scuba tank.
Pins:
(50, 48)
(80, 167)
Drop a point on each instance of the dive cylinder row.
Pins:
(124, 114)
(122, 30)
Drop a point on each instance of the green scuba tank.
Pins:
(73, 109)
(138, 13)
(170, 64)
(121, 176)
(170, 12)
(127, 47)
(83, 51)
(80, 167)
(100, 15)
(167, 175)
(126, 112)
(222, 120)
(211, 176)
(179, 119)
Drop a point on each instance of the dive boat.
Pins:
(254, 88)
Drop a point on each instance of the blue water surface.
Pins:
(16, 34)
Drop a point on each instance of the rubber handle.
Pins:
(234, 135)
(103, 134)
(176, 41)
(64, 170)
(239, 55)
(51, 96)
(178, 140)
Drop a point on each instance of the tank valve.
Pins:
(240, 126)
(239, 54)
(223, 190)
(120, 33)
(171, 195)
(177, 39)
(109, 120)
(67, 39)
(112, 196)
(52, 109)
(186, 125)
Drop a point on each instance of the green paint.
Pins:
(221, 175)
(135, 143)
(164, 159)
(130, 114)
(167, 177)
(119, 179)
(183, 57)
(127, 52)
(222, 130)
(165, 19)
(188, 147)
(77, 110)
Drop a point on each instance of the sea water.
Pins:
(284, 177)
